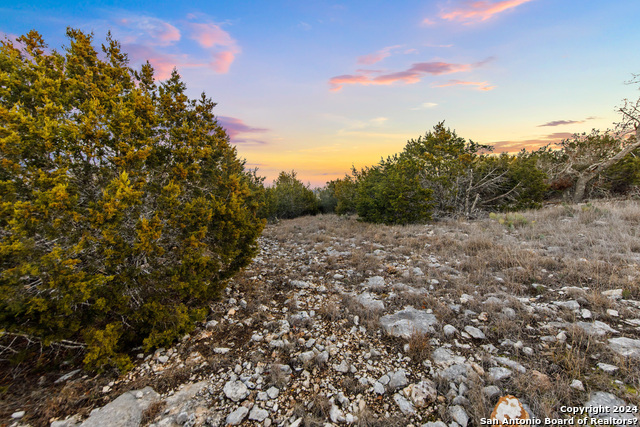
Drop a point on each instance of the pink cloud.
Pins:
(378, 56)
(235, 127)
(222, 61)
(155, 40)
(480, 85)
(211, 35)
(481, 10)
(413, 75)
(163, 63)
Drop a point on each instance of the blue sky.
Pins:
(318, 86)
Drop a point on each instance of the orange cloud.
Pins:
(480, 10)
(412, 75)
(480, 85)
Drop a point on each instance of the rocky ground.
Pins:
(340, 322)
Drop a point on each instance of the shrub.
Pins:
(391, 193)
(289, 198)
(123, 207)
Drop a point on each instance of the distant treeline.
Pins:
(443, 175)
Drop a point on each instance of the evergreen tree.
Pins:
(123, 207)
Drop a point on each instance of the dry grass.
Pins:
(419, 347)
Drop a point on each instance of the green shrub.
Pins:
(289, 198)
(123, 207)
(391, 193)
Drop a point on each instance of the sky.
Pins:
(320, 86)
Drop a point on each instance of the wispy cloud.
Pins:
(154, 31)
(479, 85)
(378, 56)
(530, 144)
(565, 122)
(236, 127)
(425, 105)
(412, 75)
(482, 10)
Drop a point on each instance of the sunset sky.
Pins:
(319, 86)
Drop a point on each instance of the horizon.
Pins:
(319, 87)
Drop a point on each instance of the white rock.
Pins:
(405, 406)
(577, 385)
(459, 415)
(609, 369)
(406, 322)
(17, 415)
(449, 330)
(237, 416)
(499, 373)
(236, 390)
(475, 332)
(258, 414)
(626, 347)
(398, 379)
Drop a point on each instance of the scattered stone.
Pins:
(597, 328)
(613, 313)
(613, 293)
(491, 391)
(459, 415)
(577, 385)
(235, 390)
(607, 368)
(422, 393)
(601, 404)
(17, 415)
(405, 406)
(398, 379)
(626, 347)
(475, 332)
(125, 411)
(273, 392)
(237, 416)
(258, 414)
(406, 322)
(370, 302)
(343, 367)
(449, 330)
(378, 388)
(586, 313)
(572, 305)
(497, 374)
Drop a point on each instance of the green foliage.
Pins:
(289, 198)
(123, 207)
(327, 201)
(390, 193)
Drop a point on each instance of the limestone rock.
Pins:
(405, 322)
(125, 411)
